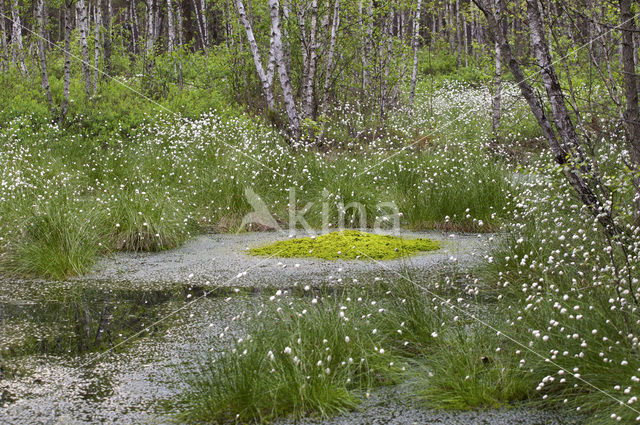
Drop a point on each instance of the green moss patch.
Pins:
(348, 245)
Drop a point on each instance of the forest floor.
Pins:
(133, 382)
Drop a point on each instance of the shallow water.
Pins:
(117, 346)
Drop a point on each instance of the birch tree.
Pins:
(283, 72)
(497, 79)
(171, 29)
(96, 52)
(3, 38)
(415, 45)
(42, 54)
(106, 35)
(266, 78)
(310, 70)
(68, 27)
(83, 29)
(562, 140)
(335, 24)
(17, 49)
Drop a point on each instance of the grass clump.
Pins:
(58, 241)
(348, 245)
(296, 359)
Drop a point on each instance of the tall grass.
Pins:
(299, 358)
(57, 240)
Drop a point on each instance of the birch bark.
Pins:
(310, 73)
(266, 78)
(68, 27)
(3, 39)
(171, 29)
(106, 43)
(416, 40)
(83, 29)
(42, 56)
(335, 24)
(96, 52)
(17, 49)
(497, 78)
(283, 72)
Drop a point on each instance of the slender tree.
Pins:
(83, 30)
(266, 78)
(42, 53)
(96, 52)
(283, 71)
(68, 27)
(106, 35)
(3, 38)
(17, 48)
(335, 25)
(415, 45)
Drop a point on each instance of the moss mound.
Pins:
(348, 245)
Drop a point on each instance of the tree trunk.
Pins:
(366, 51)
(68, 27)
(171, 30)
(632, 112)
(458, 35)
(16, 39)
(283, 72)
(564, 146)
(310, 71)
(335, 24)
(497, 80)
(96, 51)
(42, 54)
(266, 79)
(3, 39)
(205, 24)
(180, 24)
(106, 40)
(416, 40)
(83, 29)
(199, 24)
(150, 31)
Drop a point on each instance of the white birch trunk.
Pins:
(497, 80)
(68, 27)
(286, 44)
(83, 30)
(366, 52)
(310, 73)
(171, 29)
(283, 72)
(150, 31)
(458, 35)
(205, 24)
(416, 40)
(17, 49)
(199, 23)
(265, 80)
(106, 37)
(179, 25)
(335, 24)
(96, 52)
(42, 56)
(3, 38)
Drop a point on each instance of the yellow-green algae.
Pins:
(348, 245)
